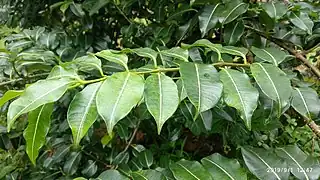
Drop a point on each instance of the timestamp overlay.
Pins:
(289, 169)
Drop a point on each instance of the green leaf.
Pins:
(146, 158)
(176, 52)
(58, 72)
(274, 10)
(77, 9)
(232, 11)
(181, 90)
(223, 168)
(71, 165)
(149, 174)
(37, 94)
(302, 21)
(206, 43)
(90, 169)
(236, 51)
(112, 175)
(202, 85)
(82, 112)
(117, 96)
(161, 97)
(271, 54)
(209, 18)
(306, 102)
(147, 53)
(36, 132)
(273, 82)
(233, 32)
(184, 29)
(88, 63)
(300, 165)
(191, 170)
(239, 93)
(264, 163)
(118, 58)
(11, 94)
(96, 6)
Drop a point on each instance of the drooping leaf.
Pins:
(232, 10)
(117, 96)
(306, 102)
(263, 163)
(146, 158)
(161, 97)
(36, 132)
(274, 9)
(176, 52)
(82, 112)
(233, 32)
(236, 51)
(202, 85)
(239, 93)
(206, 43)
(71, 165)
(37, 94)
(191, 170)
(302, 21)
(299, 163)
(223, 168)
(112, 174)
(209, 18)
(273, 83)
(271, 54)
(11, 94)
(149, 174)
(58, 72)
(118, 58)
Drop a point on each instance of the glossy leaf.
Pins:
(112, 174)
(271, 55)
(181, 90)
(191, 170)
(161, 97)
(36, 132)
(273, 83)
(176, 52)
(209, 18)
(147, 53)
(146, 158)
(302, 21)
(37, 94)
(149, 174)
(264, 163)
(206, 43)
(90, 169)
(82, 112)
(58, 72)
(274, 9)
(71, 165)
(306, 102)
(299, 163)
(233, 32)
(239, 93)
(202, 85)
(9, 95)
(232, 10)
(112, 56)
(88, 63)
(117, 96)
(223, 168)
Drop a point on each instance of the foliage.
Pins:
(139, 89)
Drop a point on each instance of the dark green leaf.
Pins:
(71, 165)
(271, 55)
(112, 175)
(209, 18)
(233, 32)
(191, 170)
(302, 21)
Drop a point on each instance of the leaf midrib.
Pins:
(188, 171)
(35, 132)
(231, 12)
(304, 102)
(222, 169)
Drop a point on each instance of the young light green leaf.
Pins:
(149, 174)
(82, 112)
(177, 52)
(302, 21)
(71, 165)
(239, 93)
(191, 170)
(112, 56)
(263, 163)
(223, 168)
(11, 94)
(232, 11)
(209, 18)
(298, 162)
(37, 94)
(36, 132)
(112, 174)
(274, 9)
(273, 82)
(306, 102)
(161, 97)
(202, 85)
(117, 96)
(233, 32)
(271, 54)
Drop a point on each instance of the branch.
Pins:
(132, 137)
(282, 44)
(315, 128)
(21, 79)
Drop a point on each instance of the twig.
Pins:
(21, 79)
(314, 127)
(132, 137)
